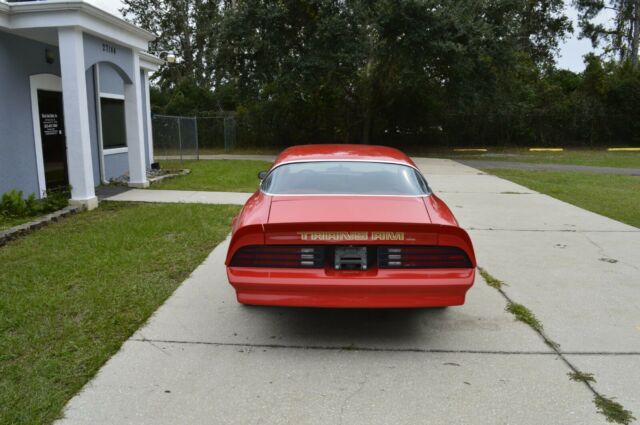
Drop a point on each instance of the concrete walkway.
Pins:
(202, 358)
(181, 196)
(481, 163)
(218, 156)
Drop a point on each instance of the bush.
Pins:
(55, 200)
(14, 205)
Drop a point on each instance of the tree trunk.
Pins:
(368, 93)
(366, 126)
(636, 33)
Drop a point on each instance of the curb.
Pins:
(23, 229)
(168, 176)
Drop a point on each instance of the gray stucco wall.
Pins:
(116, 165)
(110, 80)
(97, 50)
(19, 59)
(115, 69)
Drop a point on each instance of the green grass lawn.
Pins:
(6, 222)
(243, 151)
(220, 151)
(214, 175)
(611, 195)
(74, 291)
(596, 157)
(600, 158)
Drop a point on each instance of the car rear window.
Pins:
(345, 178)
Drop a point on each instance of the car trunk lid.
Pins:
(349, 220)
(348, 209)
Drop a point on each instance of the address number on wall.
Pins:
(108, 48)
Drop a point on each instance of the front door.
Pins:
(54, 147)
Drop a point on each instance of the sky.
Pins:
(573, 49)
(569, 57)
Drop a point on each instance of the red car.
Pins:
(348, 226)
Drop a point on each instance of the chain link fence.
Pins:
(179, 137)
(176, 137)
(217, 132)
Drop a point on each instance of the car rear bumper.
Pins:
(351, 289)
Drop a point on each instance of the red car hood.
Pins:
(357, 209)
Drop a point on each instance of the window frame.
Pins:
(116, 149)
(402, 164)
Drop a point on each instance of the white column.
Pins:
(135, 132)
(148, 117)
(76, 117)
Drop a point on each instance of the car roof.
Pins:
(337, 152)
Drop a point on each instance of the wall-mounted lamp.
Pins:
(49, 57)
(170, 57)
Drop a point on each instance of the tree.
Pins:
(385, 66)
(623, 37)
(187, 28)
(379, 71)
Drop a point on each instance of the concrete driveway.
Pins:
(202, 358)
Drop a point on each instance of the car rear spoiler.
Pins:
(351, 234)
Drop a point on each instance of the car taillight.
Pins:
(422, 257)
(279, 256)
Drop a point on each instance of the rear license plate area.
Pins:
(350, 258)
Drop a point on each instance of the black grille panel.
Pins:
(422, 257)
(296, 256)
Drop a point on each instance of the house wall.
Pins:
(19, 59)
(116, 164)
(97, 50)
(110, 81)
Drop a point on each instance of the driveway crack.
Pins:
(611, 409)
(386, 349)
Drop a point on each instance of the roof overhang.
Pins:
(73, 13)
(150, 62)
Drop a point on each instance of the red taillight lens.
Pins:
(279, 256)
(422, 257)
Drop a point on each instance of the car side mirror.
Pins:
(262, 175)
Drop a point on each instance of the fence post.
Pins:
(229, 132)
(195, 119)
(226, 134)
(179, 137)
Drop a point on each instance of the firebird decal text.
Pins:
(387, 236)
(351, 236)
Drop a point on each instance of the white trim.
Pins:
(37, 82)
(105, 151)
(4, 13)
(111, 96)
(150, 62)
(134, 130)
(114, 151)
(147, 96)
(76, 114)
(74, 13)
(98, 108)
